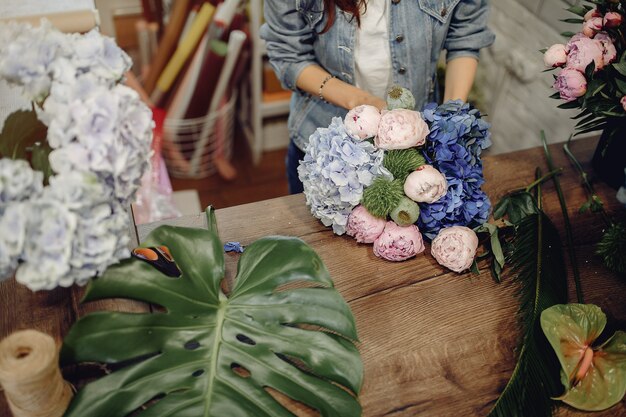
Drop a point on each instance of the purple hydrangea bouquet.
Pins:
(592, 77)
(395, 177)
(70, 167)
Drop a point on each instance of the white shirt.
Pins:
(372, 55)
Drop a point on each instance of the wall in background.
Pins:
(515, 89)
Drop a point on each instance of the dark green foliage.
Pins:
(21, 131)
(612, 248)
(187, 355)
(539, 270)
(383, 196)
(402, 162)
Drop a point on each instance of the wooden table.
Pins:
(433, 342)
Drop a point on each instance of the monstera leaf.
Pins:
(209, 354)
(594, 377)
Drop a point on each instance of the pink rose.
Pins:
(592, 26)
(610, 53)
(555, 56)
(455, 247)
(612, 20)
(623, 102)
(401, 129)
(583, 51)
(398, 243)
(362, 122)
(364, 227)
(592, 13)
(425, 185)
(570, 84)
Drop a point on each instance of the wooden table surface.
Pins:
(433, 342)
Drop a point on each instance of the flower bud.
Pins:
(455, 247)
(364, 227)
(555, 56)
(362, 122)
(398, 243)
(425, 185)
(401, 129)
(570, 84)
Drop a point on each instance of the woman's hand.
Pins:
(334, 90)
(460, 73)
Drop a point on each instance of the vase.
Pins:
(609, 159)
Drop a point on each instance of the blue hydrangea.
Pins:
(457, 137)
(335, 171)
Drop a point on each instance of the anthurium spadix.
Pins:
(594, 376)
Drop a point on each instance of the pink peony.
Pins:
(425, 185)
(455, 247)
(398, 243)
(570, 84)
(612, 20)
(623, 102)
(583, 51)
(401, 129)
(578, 36)
(362, 122)
(592, 26)
(609, 53)
(592, 13)
(555, 56)
(364, 227)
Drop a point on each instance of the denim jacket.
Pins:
(418, 31)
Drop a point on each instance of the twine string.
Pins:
(30, 375)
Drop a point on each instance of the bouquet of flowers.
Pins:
(592, 77)
(391, 177)
(69, 168)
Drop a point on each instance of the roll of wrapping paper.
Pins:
(235, 42)
(211, 68)
(68, 22)
(184, 50)
(30, 375)
(168, 42)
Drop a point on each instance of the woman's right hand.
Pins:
(334, 90)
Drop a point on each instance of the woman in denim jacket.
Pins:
(318, 47)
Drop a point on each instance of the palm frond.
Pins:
(539, 270)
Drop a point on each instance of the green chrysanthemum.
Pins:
(612, 248)
(402, 162)
(383, 196)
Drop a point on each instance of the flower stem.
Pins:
(568, 226)
(543, 179)
(585, 181)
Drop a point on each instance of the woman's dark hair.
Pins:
(350, 6)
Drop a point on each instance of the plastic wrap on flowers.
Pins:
(335, 171)
(457, 137)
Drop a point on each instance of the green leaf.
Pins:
(39, 159)
(568, 34)
(496, 248)
(620, 67)
(590, 70)
(572, 20)
(539, 270)
(574, 104)
(621, 85)
(212, 355)
(516, 206)
(594, 379)
(577, 10)
(22, 129)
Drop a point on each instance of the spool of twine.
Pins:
(30, 375)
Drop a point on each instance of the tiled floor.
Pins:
(253, 183)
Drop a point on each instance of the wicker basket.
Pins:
(191, 146)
